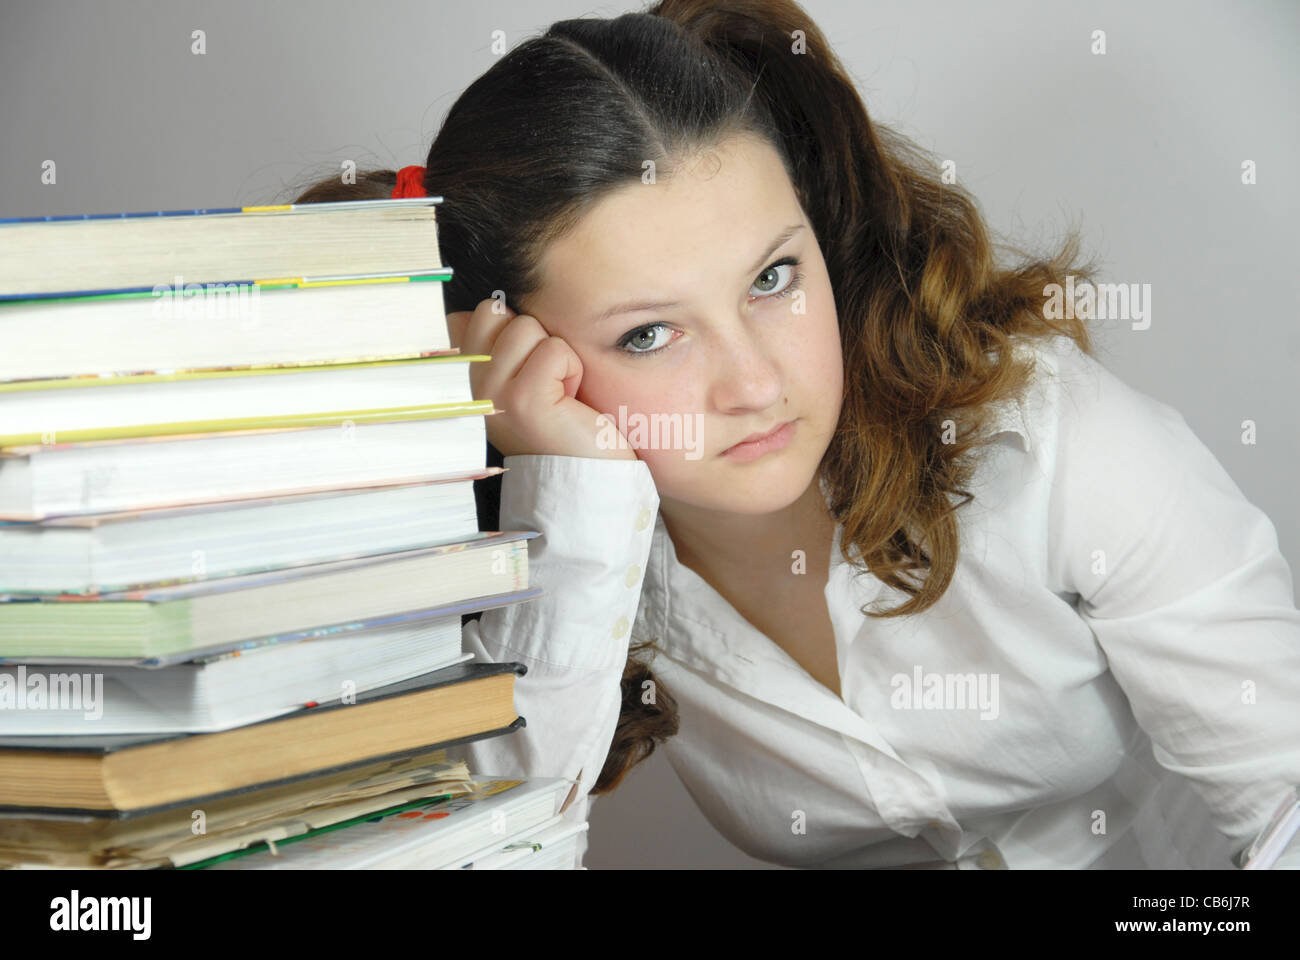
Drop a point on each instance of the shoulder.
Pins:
(1131, 480)
(1084, 418)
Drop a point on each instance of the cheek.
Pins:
(670, 446)
(597, 389)
(605, 388)
(674, 475)
(823, 354)
(829, 359)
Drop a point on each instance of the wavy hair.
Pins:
(928, 318)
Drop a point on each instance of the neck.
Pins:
(714, 543)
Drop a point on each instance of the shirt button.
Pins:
(988, 860)
(633, 572)
(643, 518)
(620, 628)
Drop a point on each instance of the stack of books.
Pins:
(238, 536)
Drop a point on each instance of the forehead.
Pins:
(710, 219)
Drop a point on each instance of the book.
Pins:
(360, 449)
(1278, 834)
(87, 253)
(234, 546)
(148, 772)
(551, 845)
(178, 835)
(428, 834)
(195, 401)
(226, 690)
(189, 616)
(129, 549)
(158, 661)
(180, 326)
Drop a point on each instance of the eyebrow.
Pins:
(635, 306)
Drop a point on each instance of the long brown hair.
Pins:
(927, 317)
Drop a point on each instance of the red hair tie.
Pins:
(410, 183)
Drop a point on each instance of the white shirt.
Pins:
(1127, 604)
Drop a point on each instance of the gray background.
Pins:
(1141, 147)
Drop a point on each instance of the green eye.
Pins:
(769, 279)
(768, 288)
(634, 338)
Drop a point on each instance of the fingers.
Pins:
(552, 363)
(513, 342)
(526, 362)
(475, 331)
(456, 323)
(533, 379)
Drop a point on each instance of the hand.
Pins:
(533, 380)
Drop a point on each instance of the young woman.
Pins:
(974, 602)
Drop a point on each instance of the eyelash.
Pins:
(789, 288)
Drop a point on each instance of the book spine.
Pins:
(277, 422)
(225, 373)
(215, 211)
(442, 274)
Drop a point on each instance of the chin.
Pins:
(751, 492)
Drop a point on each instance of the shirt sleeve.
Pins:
(595, 518)
(1183, 584)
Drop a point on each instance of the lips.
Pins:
(760, 436)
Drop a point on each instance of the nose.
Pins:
(746, 375)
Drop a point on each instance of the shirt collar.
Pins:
(1007, 416)
(695, 628)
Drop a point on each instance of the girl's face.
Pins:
(701, 315)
